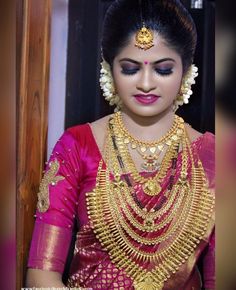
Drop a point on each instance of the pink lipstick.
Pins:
(146, 99)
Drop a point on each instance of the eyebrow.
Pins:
(155, 62)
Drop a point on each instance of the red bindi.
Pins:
(146, 62)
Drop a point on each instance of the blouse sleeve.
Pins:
(56, 207)
(209, 264)
(207, 155)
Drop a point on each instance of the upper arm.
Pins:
(192, 133)
(209, 264)
(56, 208)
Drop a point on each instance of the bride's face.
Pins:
(147, 81)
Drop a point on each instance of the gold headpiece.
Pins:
(144, 38)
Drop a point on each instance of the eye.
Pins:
(164, 72)
(129, 71)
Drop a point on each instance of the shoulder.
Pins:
(88, 133)
(204, 147)
(192, 133)
(100, 124)
(96, 126)
(98, 129)
(206, 138)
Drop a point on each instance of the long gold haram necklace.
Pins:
(124, 196)
(149, 225)
(127, 198)
(178, 250)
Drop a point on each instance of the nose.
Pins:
(146, 82)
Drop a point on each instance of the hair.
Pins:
(169, 18)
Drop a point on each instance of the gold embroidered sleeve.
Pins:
(50, 178)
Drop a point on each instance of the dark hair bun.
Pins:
(169, 18)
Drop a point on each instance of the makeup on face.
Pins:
(147, 81)
(148, 99)
(162, 67)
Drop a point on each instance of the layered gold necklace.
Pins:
(149, 225)
(151, 186)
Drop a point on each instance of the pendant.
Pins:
(149, 224)
(150, 166)
(152, 187)
(147, 283)
(144, 38)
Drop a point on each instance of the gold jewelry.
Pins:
(126, 192)
(191, 228)
(150, 151)
(151, 186)
(148, 225)
(185, 90)
(144, 38)
(166, 139)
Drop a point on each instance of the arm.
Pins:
(56, 211)
(209, 265)
(42, 278)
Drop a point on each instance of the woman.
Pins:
(139, 181)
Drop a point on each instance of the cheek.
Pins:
(123, 83)
(171, 86)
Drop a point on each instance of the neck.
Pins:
(148, 128)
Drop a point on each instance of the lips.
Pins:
(146, 99)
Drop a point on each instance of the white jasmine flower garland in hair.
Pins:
(185, 91)
(108, 87)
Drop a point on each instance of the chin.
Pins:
(161, 106)
(146, 111)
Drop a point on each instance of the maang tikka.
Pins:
(144, 36)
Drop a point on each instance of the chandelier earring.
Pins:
(185, 90)
(108, 87)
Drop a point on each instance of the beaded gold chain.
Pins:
(124, 195)
(113, 220)
(150, 151)
(151, 185)
(149, 216)
(149, 220)
(131, 139)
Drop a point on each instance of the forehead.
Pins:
(158, 51)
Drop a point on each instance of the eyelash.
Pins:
(161, 72)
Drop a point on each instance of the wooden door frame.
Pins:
(33, 59)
